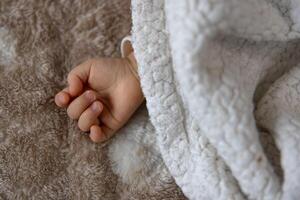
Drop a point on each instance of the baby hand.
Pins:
(102, 94)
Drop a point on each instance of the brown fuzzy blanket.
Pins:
(43, 155)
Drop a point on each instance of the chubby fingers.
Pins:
(81, 103)
(78, 77)
(62, 99)
(100, 133)
(109, 126)
(90, 116)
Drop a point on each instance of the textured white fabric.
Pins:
(204, 65)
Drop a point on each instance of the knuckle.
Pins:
(70, 75)
(71, 114)
(91, 62)
(90, 94)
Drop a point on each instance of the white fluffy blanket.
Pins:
(43, 155)
(222, 83)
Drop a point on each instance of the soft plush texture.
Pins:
(206, 66)
(43, 155)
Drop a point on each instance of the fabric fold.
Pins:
(201, 64)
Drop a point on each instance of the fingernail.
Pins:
(90, 95)
(95, 107)
(61, 98)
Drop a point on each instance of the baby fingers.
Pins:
(80, 104)
(78, 77)
(90, 116)
(62, 99)
(101, 133)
